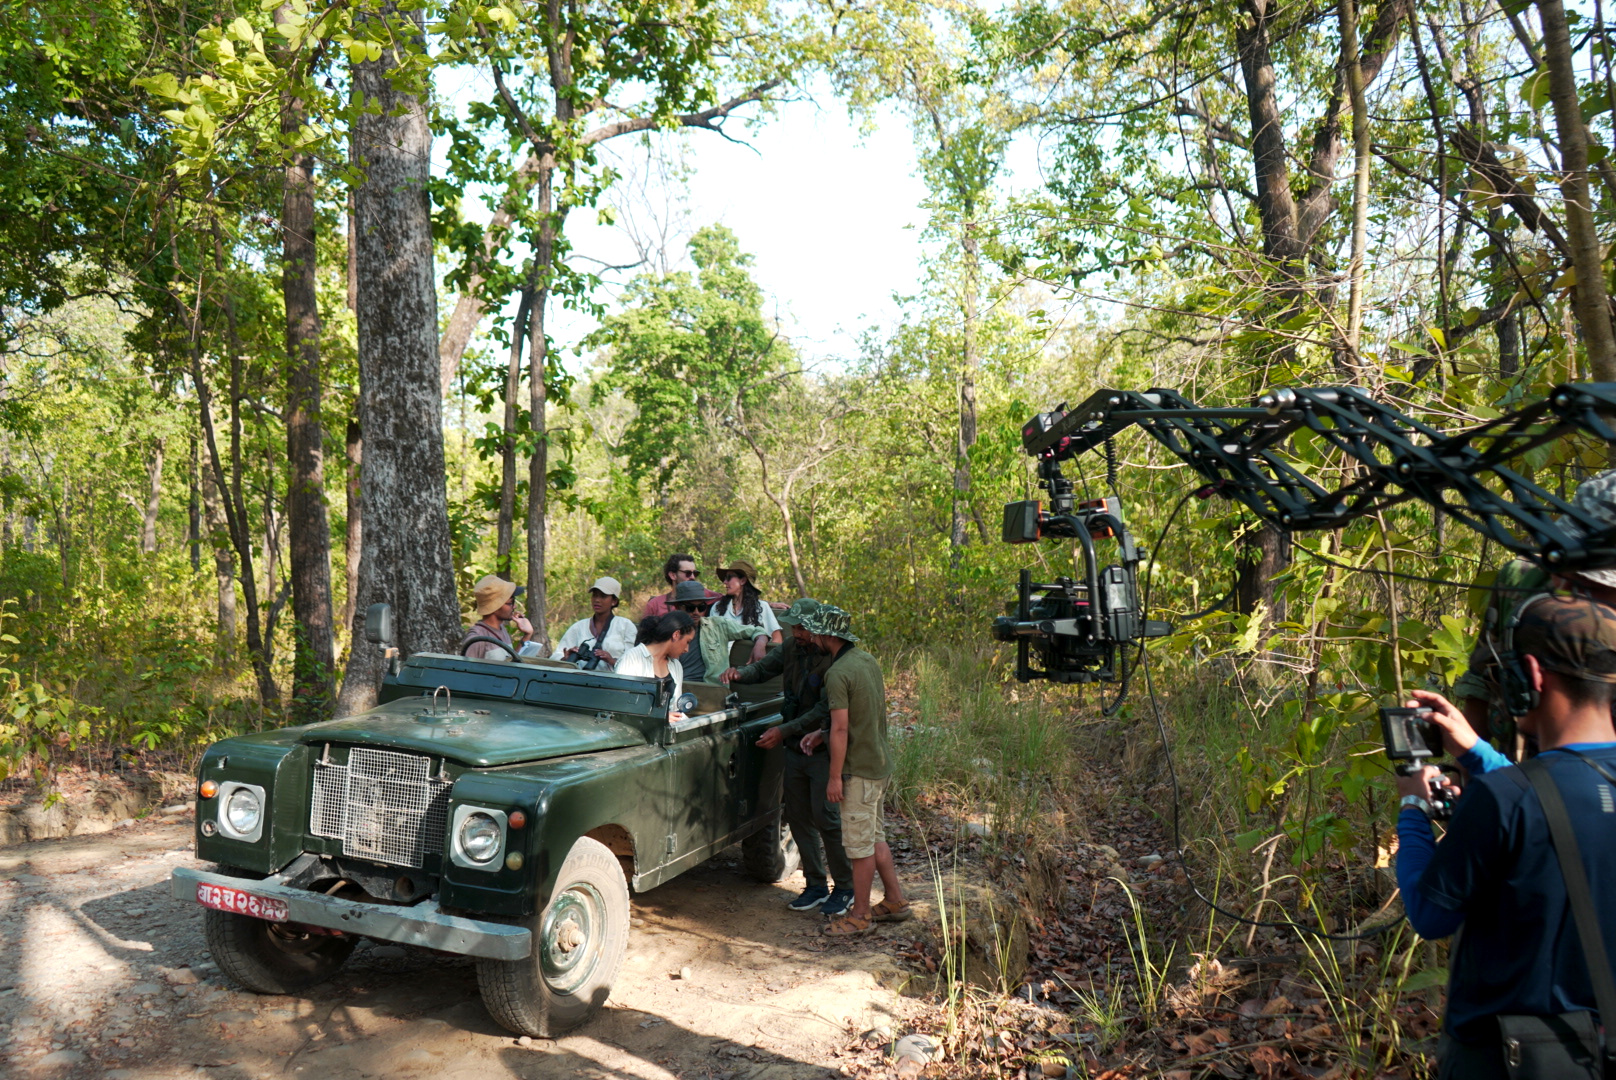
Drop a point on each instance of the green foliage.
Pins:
(689, 351)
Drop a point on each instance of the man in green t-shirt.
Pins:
(860, 765)
(816, 824)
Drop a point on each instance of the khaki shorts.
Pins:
(862, 826)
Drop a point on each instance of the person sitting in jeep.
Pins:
(487, 638)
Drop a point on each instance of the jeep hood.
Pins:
(506, 735)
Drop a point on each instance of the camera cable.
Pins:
(1143, 660)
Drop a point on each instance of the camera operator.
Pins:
(605, 635)
(1476, 691)
(1495, 871)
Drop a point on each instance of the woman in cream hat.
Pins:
(496, 604)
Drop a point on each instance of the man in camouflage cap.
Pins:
(860, 765)
(1477, 690)
(1495, 870)
(816, 824)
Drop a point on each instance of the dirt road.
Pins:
(104, 974)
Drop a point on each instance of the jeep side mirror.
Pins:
(686, 704)
(379, 624)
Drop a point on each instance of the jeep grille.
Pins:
(382, 805)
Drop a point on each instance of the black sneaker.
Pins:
(839, 902)
(811, 897)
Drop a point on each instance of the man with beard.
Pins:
(815, 823)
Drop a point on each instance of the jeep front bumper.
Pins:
(420, 924)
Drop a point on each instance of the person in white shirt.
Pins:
(663, 639)
(605, 636)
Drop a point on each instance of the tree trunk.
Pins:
(1348, 16)
(353, 543)
(970, 364)
(538, 474)
(308, 528)
(1262, 556)
(154, 502)
(193, 535)
(1590, 296)
(235, 506)
(507, 484)
(223, 567)
(407, 558)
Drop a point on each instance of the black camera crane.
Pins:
(1078, 629)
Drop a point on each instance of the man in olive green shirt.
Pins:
(860, 765)
(816, 824)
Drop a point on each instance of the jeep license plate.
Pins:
(224, 898)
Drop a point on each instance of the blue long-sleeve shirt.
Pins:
(1416, 844)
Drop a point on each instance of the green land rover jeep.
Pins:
(495, 810)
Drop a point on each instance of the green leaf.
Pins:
(1425, 980)
(1535, 90)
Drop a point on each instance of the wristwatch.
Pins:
(1418, 802)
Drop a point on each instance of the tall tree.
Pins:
(406, 560)
(308, 528)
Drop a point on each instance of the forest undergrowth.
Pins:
(1128, 972)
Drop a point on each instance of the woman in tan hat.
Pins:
(742, 599)
(487, 638)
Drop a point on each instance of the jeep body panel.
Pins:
(577, 753)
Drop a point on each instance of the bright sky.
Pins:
(831, 215)
(831, 218)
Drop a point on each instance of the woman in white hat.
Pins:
(605, 636)
(487, 638)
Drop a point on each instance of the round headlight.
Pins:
(479, 837)
(242, 810)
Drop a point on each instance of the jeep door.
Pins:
(703, 762)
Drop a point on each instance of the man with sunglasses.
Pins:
(678, 567)
(708, 655)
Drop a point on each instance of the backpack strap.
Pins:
(1583, 910)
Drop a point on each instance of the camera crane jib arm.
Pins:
(1075, 630)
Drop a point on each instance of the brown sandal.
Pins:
(885, 912)
(848, 926)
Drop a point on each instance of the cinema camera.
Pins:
(1075, 627)
(1078, 629)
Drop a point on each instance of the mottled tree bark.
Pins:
(406, 559)
(353, 543)
(308, 528)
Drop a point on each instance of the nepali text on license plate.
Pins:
(224, 898)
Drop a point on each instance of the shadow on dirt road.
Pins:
(104, 974)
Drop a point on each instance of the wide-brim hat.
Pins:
(608, 586)
(493, 592)
(1595, 497)
(799, 609)
(739, 566)
(830, 620)
(688, 592)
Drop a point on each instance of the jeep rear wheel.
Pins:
(770, 853)
(272, 958)
(579, 941)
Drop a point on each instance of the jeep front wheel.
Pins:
(579, 941)
(272, 958)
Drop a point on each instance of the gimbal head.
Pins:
(1074, 627)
